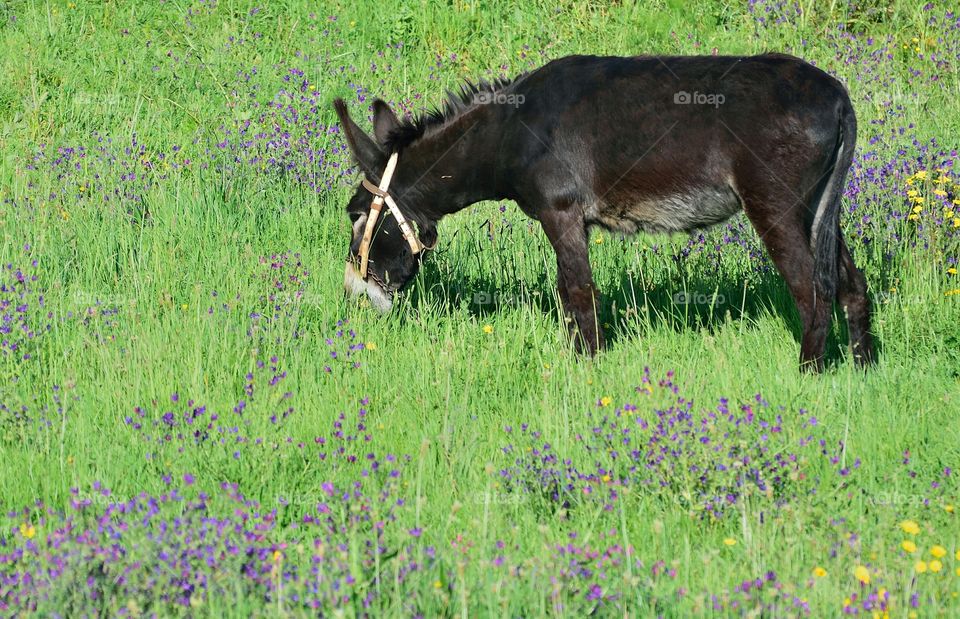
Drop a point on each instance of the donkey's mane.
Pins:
(455, 104)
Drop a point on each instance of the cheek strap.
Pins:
(381, 196)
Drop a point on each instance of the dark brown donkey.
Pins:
(661, 144)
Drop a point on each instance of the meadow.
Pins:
(195, 422)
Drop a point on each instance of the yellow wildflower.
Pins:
(819, 572)
(938, 551)
(920, 567)
(27, 530)
(935, 566)
(729, 541)
(908, 546)
(488, 329)
(910, 527)
(605, 400)
(862, 574)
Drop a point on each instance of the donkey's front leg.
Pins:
(567, 232)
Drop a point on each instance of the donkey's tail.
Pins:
(825, 232)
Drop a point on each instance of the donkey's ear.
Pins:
(364, 149)
(384, 121)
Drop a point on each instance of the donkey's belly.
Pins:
(675, 212)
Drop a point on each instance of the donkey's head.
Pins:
(385, 248)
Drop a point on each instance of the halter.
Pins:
(380, 196)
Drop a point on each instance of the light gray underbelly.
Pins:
(677, 212)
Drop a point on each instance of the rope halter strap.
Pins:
(381, 196)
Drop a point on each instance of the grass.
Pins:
(128, 318)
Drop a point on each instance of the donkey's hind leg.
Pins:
(785, 236)
(852, 297)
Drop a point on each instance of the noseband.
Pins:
(380, 195)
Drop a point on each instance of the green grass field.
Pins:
(195, 422)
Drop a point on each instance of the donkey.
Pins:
(647, 143)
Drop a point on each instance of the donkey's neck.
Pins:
(453, 166)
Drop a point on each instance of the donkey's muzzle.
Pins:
(354, 285)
